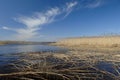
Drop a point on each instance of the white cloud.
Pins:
(8, 28)
(39, 18)
(4, 27)
(70, 7)
(34, 23)
(94, 3)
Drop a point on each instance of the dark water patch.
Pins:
(7, 59)
(109, 67)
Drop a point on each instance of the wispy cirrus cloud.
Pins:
(34, 23)
(4, 27)
(92, 3)
(70, 7)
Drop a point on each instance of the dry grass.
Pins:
(113, 41)
(58, 66)
(1, 43)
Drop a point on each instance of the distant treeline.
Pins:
(23, 42)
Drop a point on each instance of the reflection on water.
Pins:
(27, 48)
(7, 55)
(109, 67)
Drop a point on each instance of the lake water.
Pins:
(7, 49)
(6, 56)
(8, 53)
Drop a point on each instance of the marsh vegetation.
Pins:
(86, 59)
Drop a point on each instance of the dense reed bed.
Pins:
(103, 41)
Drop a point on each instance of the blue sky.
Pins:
(49, 20)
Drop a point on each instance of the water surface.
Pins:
(9, 53)
(8, 49)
